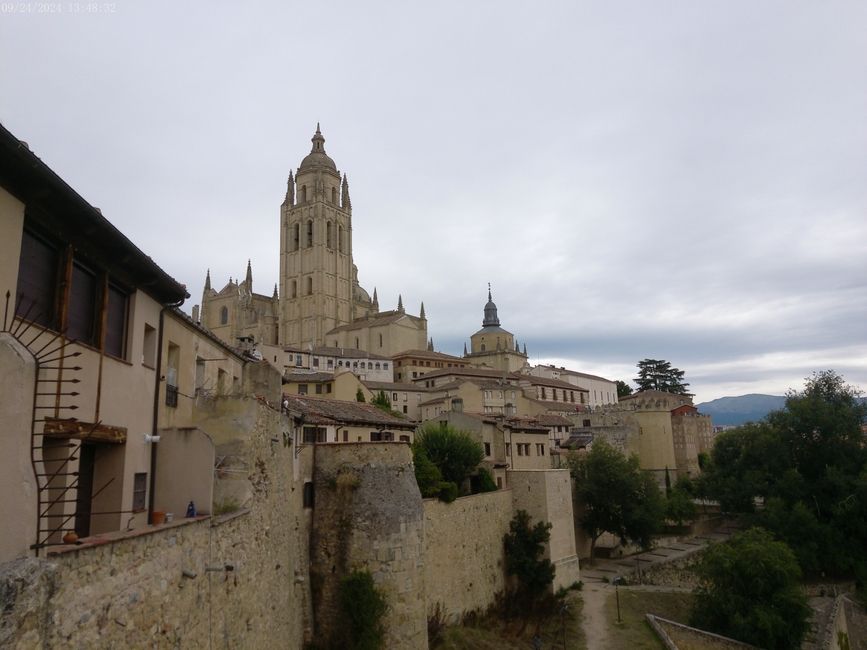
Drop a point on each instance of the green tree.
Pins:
(657, 374)
(363, 609)
(455, 453)
(524, 550)
(381, 401)
(427, 475)
(615, 496)
(808, 462)
(750, 591)
(679, 504)
(623, 389)
(359, 395)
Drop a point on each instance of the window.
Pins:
(309, 233)
(540, 449)
(385, 365)
(487, 449)
(327, 388)
(172, 363)
(394, 397)
(303, 194)
(318, 389)
(37, 279)
(339, 239)
(302, 389)
(294, 293)
(404, 438)
(315, 362)
(81, 317)
(139, 491)
(329, 363)
(405, 411)
(381, 436)
(299, 360)
(221, 381)
(380, 340)
(309, 286)
(308, 494)
(224, 315)
(328, 235)
(334, 195)
(311, 435)
(115, 322)
(520, 449)
(543, 393)
(149, 347)
(554, 394)
(296, 236)
(377, 366)
(586, 423)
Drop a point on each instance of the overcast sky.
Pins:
(677, 180)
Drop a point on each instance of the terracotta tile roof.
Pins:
(312, 377)
(487, 373)
(340, 353)
(553, 383)
(552, 420)
(382, 318)
(575, 373)
(435, 400)
(317, 410)
(427, 354)
(388, 385)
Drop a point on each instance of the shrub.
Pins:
(534, 574)
(427, 475)
(484, 481)
(363, 608)
(454, 452)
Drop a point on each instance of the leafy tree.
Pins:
(525, 550)
(623, 389)
(359, 395)
(679, 504)
(455, 453)
(808, 461)
(656, 374)
(616, 496)
(483, 481)
(750, 591)
(427, 475)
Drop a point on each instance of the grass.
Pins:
(490, 633)
(634, 632)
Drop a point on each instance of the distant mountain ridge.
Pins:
(741, 409)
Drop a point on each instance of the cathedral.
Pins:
(320, 302)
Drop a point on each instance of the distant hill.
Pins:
(741, 409)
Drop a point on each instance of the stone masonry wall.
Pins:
(230, 582)
(368, 515)
(464, 562)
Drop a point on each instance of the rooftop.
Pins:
(317, 410)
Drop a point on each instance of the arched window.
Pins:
(309, 286)
(224, 316)
(296, 237)
(328, 241)
(377, 365)
(303, 194)
(294, 289)
(483, 347)
(340, 239)
(309, 233)
(380, 340)
(334, 195)
(356, 343)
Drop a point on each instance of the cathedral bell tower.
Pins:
(316, 268)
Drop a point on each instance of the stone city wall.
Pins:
(368, 516)
(232, 581)
(464, 562)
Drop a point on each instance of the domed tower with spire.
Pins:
(318, 286)
(493, 346)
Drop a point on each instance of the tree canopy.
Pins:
(615, 496)
(750, 591)
(444, 456)
(657, 374)
(623, 389)
(808, 465)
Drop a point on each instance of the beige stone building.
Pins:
(412, 364)
(599, 391)
(366, 365)
(406, 398)
(320, 301)
(327, 420)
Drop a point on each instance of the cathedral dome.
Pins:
(317, 156)
(491, 319)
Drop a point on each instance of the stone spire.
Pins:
(517, 347)
(344, 194)
(525, 349)
(208, 280)
(491, 319)
(290, 190)
(275, 296)
(375, 300)
(318, 141)
(465, 348)
(249, 279)
(430, 347)
(400, 303)
(421, 311)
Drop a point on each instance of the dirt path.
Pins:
(594, 622)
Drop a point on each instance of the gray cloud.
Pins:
(676, 179)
